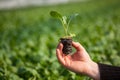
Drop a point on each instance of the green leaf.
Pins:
(64, 20)
(56, 14)
(71, 17)
(72, 35)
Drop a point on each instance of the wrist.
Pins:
(93, 71)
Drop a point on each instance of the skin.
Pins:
(79, 62)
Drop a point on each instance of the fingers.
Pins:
(61, 57)
(77, 46)
(60, 47)
(59, 53)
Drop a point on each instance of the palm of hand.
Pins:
(77, 62)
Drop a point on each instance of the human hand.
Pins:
(79, 62)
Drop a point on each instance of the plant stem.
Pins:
(66, 31)
(65, 28)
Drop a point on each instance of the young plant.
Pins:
(67, 39)
(65, 22)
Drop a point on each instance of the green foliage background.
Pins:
(28, 39)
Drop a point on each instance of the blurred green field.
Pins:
(28, 39)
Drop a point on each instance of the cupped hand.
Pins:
(78, 62)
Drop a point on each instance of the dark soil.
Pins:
(67, 45)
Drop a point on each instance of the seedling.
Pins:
(67, 39)
(65, 22)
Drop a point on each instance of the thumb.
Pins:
(77, 46)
